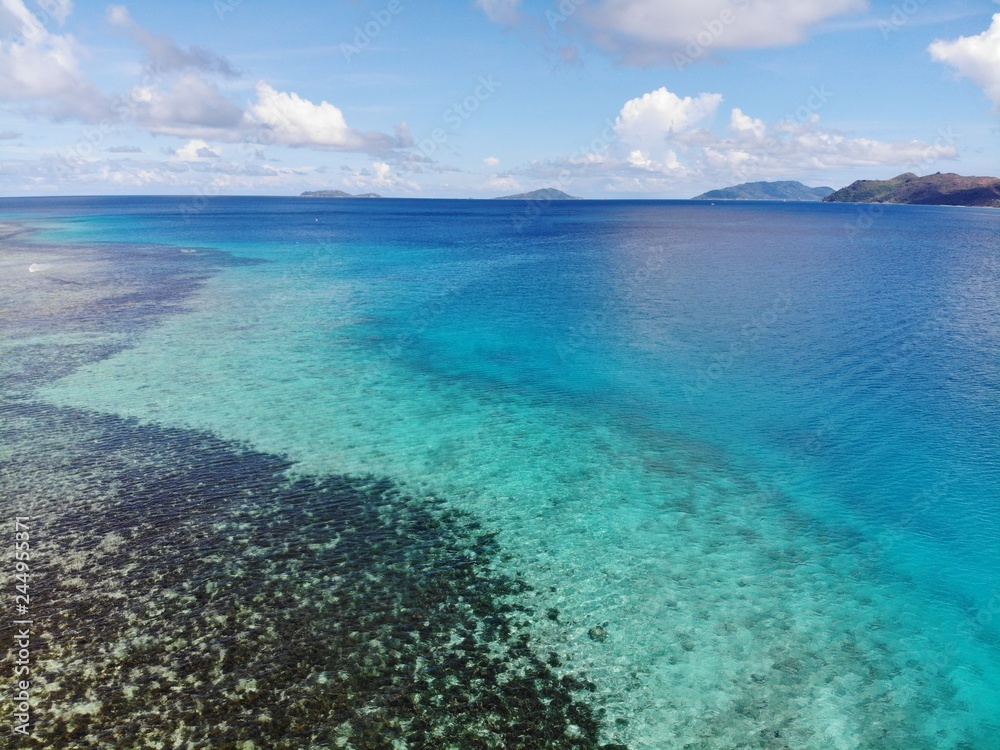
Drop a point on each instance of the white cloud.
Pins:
(491, 161)
(164, 54)
(975, 57)
(193, 107)
(650, 120)
(42, 68)
(298, 122)
(501, 11)
(179, 97)
(196, 150)
(404, 138)
(190, 107)
(742, 124)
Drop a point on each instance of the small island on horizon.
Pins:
(336, 194)
(786, 190)
(545, 194)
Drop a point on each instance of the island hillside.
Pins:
(336, 194)
(788, 190)
(931, 190)
(545, 194)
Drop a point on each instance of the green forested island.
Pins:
(336, 194)
(545, 194)
(931, 190)
(788, 190)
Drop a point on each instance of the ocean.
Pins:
(487, 474)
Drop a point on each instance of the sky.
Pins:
(480, 98)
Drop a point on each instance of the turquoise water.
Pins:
(742, 461)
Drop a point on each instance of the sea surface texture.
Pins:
(310, 473)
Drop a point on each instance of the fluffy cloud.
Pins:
(164, 54)
(179, 96)
(298, 122)
(195, 150)
(193, 107)
(975, 57)
(42, 68)
(651, 127)
(184, 101)
(491, 161)
(653, 118)
(661, 124)
(752, 147)
(189, 107)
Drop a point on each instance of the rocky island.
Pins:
(931, 190)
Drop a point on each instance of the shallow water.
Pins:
(741, 463)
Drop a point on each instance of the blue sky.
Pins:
(601, 98)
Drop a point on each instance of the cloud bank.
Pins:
(179, 95)
(41, 69)
(664, 142)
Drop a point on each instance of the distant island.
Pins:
(931, 190)
(336, 194)
(545, 194)
(767, 191)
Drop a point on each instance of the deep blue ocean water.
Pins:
(745, 457)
